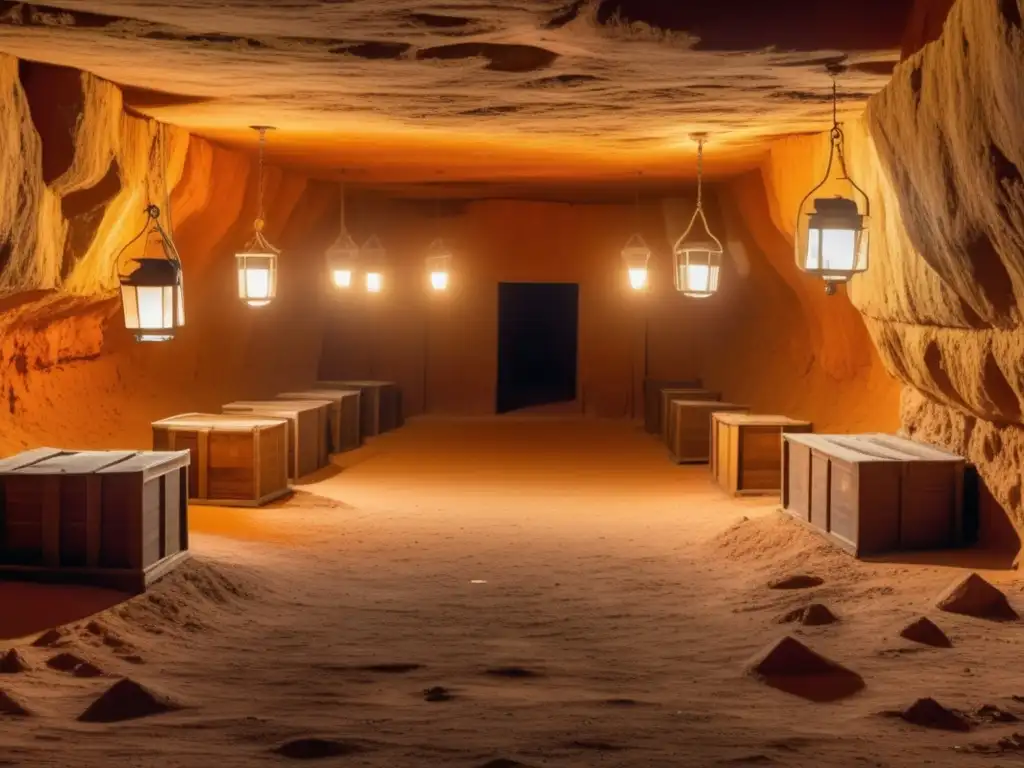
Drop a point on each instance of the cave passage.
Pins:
(537, 342)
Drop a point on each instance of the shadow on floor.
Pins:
(27, 608)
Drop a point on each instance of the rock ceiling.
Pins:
(405, 90)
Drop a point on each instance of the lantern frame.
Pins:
(373, 254)
(439, 266)
(342, 255)
(698, 263)
(258, 255)
(834, 214)
(636, 256)
(153, 323)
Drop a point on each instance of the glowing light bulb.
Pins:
(439, 281)
(638, 278)
(374, 282)
(343, 278)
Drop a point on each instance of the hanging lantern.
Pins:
(373, 254)
(635, 255)
(343, 254)
(439, 264)
(835, 247)
(257, 261)
(698, 259)
(151, 295)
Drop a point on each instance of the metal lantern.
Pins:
(698, 259)
(257, 261)
(439, 264)
(835, 247)
(374, 254)
(342, 254)
(151, 295)
(635, 255)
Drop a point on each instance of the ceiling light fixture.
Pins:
(698, 261)
(636, 255)
(373, 255)
(257, 262)
(835, 247)
(343, 253)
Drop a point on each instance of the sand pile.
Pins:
(315, 749)
(812, 615)
(973, 596)
(11, 706)
(925, 631)
(127, 700)
(75, 665)
(791, 666)
(51, 638)
(13, 662)
(990, 713)
(797, 581)
(928, 713)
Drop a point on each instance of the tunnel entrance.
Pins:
(537, 344)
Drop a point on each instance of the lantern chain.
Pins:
(700, 171)
(263, 141)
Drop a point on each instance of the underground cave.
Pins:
(511, 384)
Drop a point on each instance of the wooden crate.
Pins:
(237, 460)
(690, 430)
(380, 404)
(308, 429)
(873, 493)
(344, 415)
(653, 415)
(677, 393)
(746, 451)
(114, 518)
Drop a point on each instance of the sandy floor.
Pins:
(571, 597)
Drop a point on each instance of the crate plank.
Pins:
(653, 415)
(680, 393)
(238, 459)
(309, 422)
(380, 404)
(690, 431)
(344, 414)
(747, 451)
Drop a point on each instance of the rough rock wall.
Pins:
(943, 297)
(75, 174)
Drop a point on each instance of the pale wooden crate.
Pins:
(380, 404)
(114, 518)
(690, 431)
(344, 414)
(653, 415)
(237, 459)
(746, 451)
(873, 494)
(680, 393)
(308, 430)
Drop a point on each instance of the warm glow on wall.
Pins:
(836, 244)
(257, 262)
(698, 258)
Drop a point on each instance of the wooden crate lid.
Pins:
(25, 458)
(313, 394)
(355, 383)
(713, 404)
(149, 463)
(290, 407)
(906, 445)
(758, 419)
(688, 391)
(218, 422)
(841, 447)
(78, 463)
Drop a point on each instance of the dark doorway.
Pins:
(537, 324)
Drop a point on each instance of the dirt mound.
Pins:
(514, 673)
(973, 596)
(13, 662)
(928, 713)
(51, 638)
(797, 581)
(924, 630)
(65, 662)
(438, 693)
(792, 667)
(315, 749)
(990, 713)
(12, 707)
(127, 700)
(812, 615)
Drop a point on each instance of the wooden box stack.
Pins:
(689, 433)
(343, 414)
(114, 518)
(380, 404)
(308, 429)
(653, 415)
(874, 493)
(237, 459)
(676, 393)
(746, 451)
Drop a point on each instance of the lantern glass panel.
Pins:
(342, 278)
(257, 278)
(374, 282)
(637, 278)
